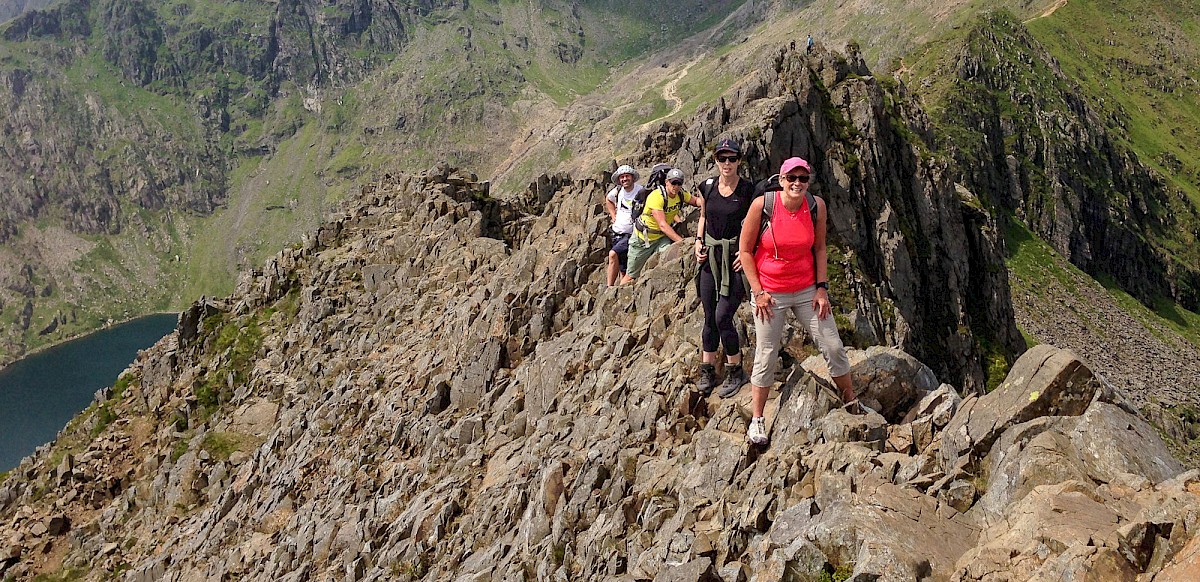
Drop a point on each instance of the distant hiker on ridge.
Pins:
(808, 46)
(786, 265)
(719, 285)
(655, 226)
(619, 203)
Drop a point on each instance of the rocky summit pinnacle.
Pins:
(435, 386)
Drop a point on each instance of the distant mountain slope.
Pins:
(1083, 163)
(10, 9)
(124, 114)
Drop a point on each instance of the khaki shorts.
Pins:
(640, 251)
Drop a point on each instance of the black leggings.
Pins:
(719, 311)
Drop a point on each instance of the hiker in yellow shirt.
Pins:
(654, 228)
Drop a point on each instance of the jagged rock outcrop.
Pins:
(918, 257)
(1027, 139)
(413, 395)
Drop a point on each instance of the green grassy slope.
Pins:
(1085, 121)
(1139, 62)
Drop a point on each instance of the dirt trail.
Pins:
(1049, 11)
(670, 93)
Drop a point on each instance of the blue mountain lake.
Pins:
(41, 393)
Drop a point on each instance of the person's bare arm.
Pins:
(748, 239)
(821, 302)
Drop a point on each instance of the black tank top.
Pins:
(723, 215)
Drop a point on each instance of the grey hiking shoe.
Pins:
(708, 379)
(757, 433)
(735, 377)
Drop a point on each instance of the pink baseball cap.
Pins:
(793, 163)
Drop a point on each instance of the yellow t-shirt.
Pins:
(657, 200)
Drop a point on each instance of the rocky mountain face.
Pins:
(900, 227)
(127, 122)
(10, 9)
(436, 385)
(1029, 141)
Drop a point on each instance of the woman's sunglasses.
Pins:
(802, 178)
(728, 159)
(676, 182)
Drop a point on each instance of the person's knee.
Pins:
(835, 358)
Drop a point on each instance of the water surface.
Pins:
(39, 394)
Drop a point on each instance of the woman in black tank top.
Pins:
(719, 280)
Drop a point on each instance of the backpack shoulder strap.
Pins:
(768, 208)
(706, 188)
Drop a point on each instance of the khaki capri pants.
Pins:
(768, 334)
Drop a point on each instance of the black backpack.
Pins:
(706, 188)
(767, 188)
(657, 179)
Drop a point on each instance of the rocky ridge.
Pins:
(1031, 143)
(899, 226)
(436, 386)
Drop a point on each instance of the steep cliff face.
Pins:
(919, 262)
(91, 160)
(437, 386)
(1031, 143)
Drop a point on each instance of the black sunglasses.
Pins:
(727, 159)
(802, 178)
(676, 182)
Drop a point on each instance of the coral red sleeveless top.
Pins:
(784, 258)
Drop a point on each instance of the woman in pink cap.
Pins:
(783, 256)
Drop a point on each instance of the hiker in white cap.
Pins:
(619, 203)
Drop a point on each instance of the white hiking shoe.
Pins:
(757, 433)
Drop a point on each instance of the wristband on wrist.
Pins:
(823, 285)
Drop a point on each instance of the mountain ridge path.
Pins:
(1051, 10)
(670, 93)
